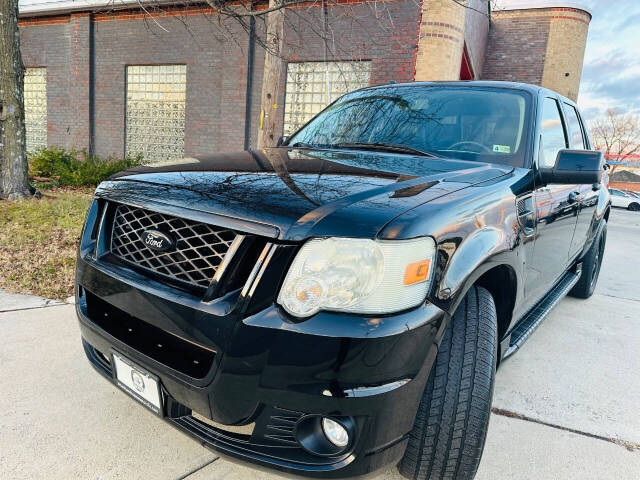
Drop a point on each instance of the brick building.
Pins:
(626, 172)
(116, 78)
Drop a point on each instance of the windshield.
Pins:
(470, 123)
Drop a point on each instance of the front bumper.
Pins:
(262, 369)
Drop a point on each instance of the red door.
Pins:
(466, 72)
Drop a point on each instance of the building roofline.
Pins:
(57, 7)
(502, 5)
(52, 7)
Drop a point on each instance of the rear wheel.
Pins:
(591, 264)
(452, 420)
(634, 207)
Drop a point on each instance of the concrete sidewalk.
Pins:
(575, 379)
(10, 302)
(59, 419)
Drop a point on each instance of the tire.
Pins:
(591, 264)
(452, 420)
(634, 207)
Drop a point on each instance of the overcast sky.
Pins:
(611, 73)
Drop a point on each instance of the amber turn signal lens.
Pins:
(416, 272)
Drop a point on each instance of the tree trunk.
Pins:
(13, 150)
(273, 68)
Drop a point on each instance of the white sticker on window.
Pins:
(502, 148)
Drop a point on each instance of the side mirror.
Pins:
(574, 167)
(282, 140)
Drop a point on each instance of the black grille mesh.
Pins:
(199, 247)
(522, 207)
(525, 205)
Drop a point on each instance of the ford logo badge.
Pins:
(157, 241)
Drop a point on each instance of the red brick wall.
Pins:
(390, 42)
(79, 69)
(216, 59)
(517, 46)
(543, 46)
(633, 186)
(49, 44)
(216, 79)
(476, 34)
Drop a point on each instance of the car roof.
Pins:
(534, 89)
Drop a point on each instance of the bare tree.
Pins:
(13, 150)
(274, 17)
(273, 21)
(617, 134)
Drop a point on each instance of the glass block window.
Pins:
(311, 86)
(156, 97)
(35, 107)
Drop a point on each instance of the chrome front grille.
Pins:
(198, 250)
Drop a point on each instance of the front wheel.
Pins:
(634, 207)
(591, 264)
(452, 420)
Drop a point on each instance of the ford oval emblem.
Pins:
(157, 241)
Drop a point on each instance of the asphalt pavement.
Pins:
(565, 404)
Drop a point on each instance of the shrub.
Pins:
(76, 168)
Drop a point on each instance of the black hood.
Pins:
(293, 194)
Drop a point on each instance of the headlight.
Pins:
(358, 276)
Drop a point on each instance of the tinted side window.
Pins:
(576, 138)
(552, 137)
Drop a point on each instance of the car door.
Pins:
(618, 198)
(587, 199)
(555, 205)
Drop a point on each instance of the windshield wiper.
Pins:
(386, 147)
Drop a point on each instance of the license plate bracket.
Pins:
(140, 384)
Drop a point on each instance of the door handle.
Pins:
(574, 197)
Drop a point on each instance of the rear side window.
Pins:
(552, 136)
(576, 136)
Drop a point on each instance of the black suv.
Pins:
(339, 303)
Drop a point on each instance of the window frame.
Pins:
(127, 115)
(567, 107)
(46, 107)
(286, 80)
(541, 99)
(585, 131)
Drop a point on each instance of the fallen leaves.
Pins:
(38, 241)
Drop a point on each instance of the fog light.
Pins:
(335, 432)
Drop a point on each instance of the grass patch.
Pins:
(56, 166)
(38, 241)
